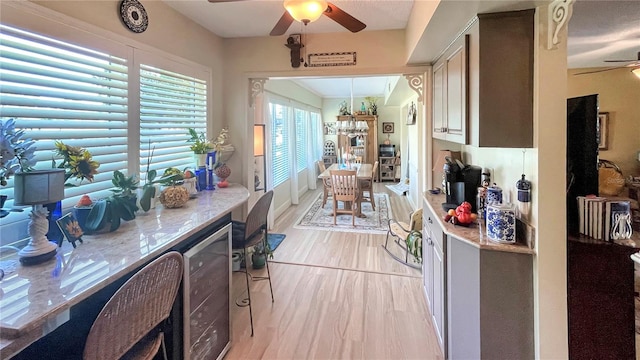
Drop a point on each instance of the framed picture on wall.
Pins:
(603, 130)
(330, 128)
(387, 127)
(411, 114)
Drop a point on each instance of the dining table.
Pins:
(363, 172)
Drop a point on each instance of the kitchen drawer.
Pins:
(432, 222)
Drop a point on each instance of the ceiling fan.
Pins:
(307, 11)
(633, 64)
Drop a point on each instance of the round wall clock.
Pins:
(134, 15)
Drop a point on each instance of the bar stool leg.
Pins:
(246, 274)
(266, 259)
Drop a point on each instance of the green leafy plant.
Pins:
(121, 205)
(200, 144)
(149, 188)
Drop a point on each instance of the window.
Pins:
(170, 103)
(59, 91)
(100, 100)
(301, 138)
(279, 142)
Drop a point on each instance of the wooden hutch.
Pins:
(368, 151)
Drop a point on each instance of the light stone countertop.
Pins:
(35, 297)
(475, 234)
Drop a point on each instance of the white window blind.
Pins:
(170, 103)
(301, 138)
(59, 91)
(279, 142)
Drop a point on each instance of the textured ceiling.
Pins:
(257, 18)
(598, 30)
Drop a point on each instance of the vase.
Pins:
(55, 212)
(258, 261)
(81, 213)
(200, 160)
(191, 185)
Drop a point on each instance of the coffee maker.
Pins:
(461, 183)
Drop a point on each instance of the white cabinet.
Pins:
(433, 272)
(450, 92)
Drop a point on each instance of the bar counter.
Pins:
(474, 234)
(34, 300)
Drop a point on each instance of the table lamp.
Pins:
(36, 188)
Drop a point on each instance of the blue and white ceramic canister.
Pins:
(494, 195)
(501, 223)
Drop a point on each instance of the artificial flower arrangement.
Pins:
(16, 151)
(77, 162)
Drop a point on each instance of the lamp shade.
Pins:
(258, 140)
(305, 11)
(38, 187)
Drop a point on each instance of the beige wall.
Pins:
(619, 95)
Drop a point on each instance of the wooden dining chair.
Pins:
(326, 184)
(367, 185)
(344, 185)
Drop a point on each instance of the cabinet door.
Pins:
(427, 265)
(439, 101)
(438, 311)
(456, 95)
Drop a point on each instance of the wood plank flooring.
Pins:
(337, 296)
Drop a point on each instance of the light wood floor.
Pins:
(337, 296)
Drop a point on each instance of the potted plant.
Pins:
(200, 146)
(372, 103)
(174, 195)
(16, 154)
(121, 205)
(259, 255)
(150, 188)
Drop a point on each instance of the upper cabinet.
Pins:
(450, 94)
(501, 80)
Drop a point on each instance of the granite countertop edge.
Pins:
(12, 337)
(472, 235)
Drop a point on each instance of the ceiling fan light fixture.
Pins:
(305, 11)
(636, 72)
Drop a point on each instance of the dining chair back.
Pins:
(252, 232)
(129, 324)
(326, 184)
(344, 185)
(366, 185)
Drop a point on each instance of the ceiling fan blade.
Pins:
(336, 14)
(283, 24)
(601, 70)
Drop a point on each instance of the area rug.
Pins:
(318, 217)
(274, 240)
